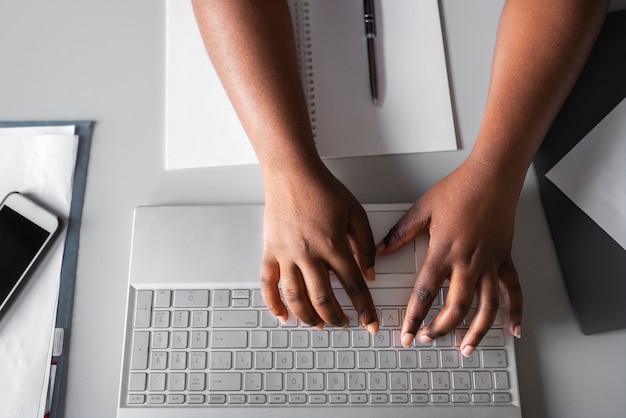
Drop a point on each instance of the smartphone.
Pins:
(26, 230)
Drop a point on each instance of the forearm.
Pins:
(252, 48)
(540, 51)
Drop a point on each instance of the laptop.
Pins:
(200, 342)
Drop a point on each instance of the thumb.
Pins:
(410, 225)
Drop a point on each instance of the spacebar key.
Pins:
(234, 319)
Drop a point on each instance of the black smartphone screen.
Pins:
(20, 240)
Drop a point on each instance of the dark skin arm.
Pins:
(540, 51)
(313, 224)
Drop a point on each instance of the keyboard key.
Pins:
(135, 399)
(304, 360)
(157, 381)
(325, 360)
(220, 360)
(236, 399)
(156, 399)
(317, 398)
(482, 380)
(175, 399)
(143, 308)
(199, 319)
(158, 360)
(257, 299)
(398, 381)
(162, 298)
(501, 397)
(195, 399)
(277, 399)
(297, 398)
(221, 298)
(419, 398)
(319, 339)
(229, 339)
(199, 339)
(358, 398)
(366, 359)
(338, 398)
(377, 381)
(139, 355)
(273, 381)
(279, 339)
(428, 359)
(315, 382)
(197, 381)
(223, 382)
(419, 381)
(494, 358)
(179, 339)
(234, 319)
(460, 397)
(137, 381)
(399, 398)
(294, 381)
(161, 319)
(390, 317)
(178, 360)
(501, 380)
(177, 381)
(243, 360)
(217, 399)
(336, 381)
(191, 298)
(160, 339)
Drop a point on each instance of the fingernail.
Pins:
(372, 327)
(517, 331)
(283, 318)
(370, 274)
(425, 338)
(468, 350)
(380, 247)
(407, 339)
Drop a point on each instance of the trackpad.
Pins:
(403, 260)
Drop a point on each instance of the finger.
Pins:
(457, 304)
(296, 297)
(426, 289)
(270, 275)
(405, 230)
(512, 296)
(486, 311)
(362, 244)
(349, 275)
(321, 295)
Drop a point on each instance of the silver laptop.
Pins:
(199, 341)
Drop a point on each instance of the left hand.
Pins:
(470, 218)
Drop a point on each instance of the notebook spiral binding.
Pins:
(302, 31)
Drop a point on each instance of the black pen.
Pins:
(370, 34)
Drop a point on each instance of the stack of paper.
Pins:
(38, 162)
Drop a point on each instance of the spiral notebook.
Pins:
(414, 112)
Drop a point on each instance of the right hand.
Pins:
(314, 225)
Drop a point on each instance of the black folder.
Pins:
(592, 262)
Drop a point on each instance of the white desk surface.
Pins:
(104, 60)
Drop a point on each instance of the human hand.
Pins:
(470, 218)
(313, 225)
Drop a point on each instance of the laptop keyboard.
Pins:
(223, 347)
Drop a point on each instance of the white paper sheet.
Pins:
(38, 162)
(415, 115)
(593, 174)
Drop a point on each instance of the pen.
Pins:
(370, 34)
